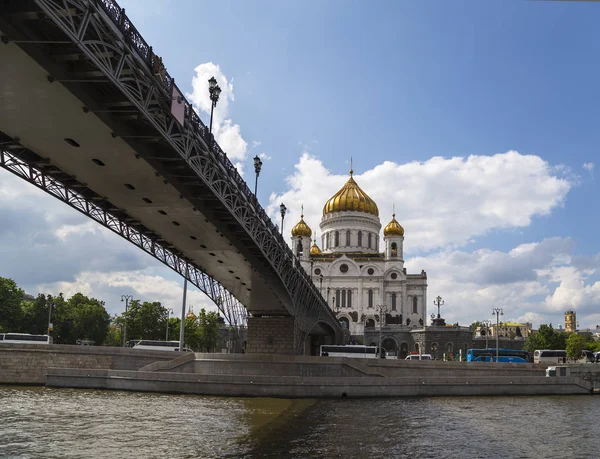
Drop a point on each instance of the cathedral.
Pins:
(360, 277)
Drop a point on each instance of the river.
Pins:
(64, 423)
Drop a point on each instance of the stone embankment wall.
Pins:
(28, 363)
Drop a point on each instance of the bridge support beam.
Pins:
(270, 335)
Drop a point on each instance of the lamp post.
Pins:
(169, 312)
(214, 90)
(321, 284)
(328, 288)
(127, 299)
(257, 168)
(382, 311)
(283, 210)
(438, 302)
(487, 324)
(497, 312)
(49, 317)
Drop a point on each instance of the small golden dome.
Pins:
(191, 315)
(301, 229)
(351, 199)
(393, 228)
(315, 250)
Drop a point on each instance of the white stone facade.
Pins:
(356, 274)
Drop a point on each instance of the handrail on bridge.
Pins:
(191, 119)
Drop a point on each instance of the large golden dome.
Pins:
(301, 229)
(315, 250)
(351, 199)
(393, 228)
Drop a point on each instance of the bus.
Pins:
(353, 351)
(504, 355)
(560, 356)
(158, 345)
(24, 338)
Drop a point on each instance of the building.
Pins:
(570, 321)
(354, 271)
(511, 330)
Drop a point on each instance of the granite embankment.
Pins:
(279, 375)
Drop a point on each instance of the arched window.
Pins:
(393, 301)
(370, 303)
(449, 348)
(343, 305)
(369, 240)
(360, 238)
(348, 238)
(345, 323)
(337, 239)
(349, 298)
(394, 250)
(434, 347)
(415, 310)
(337, 298)
(299, 248)
(417, 348)
(327, 241)
(370, 323)
(407, 321)
(376, 242)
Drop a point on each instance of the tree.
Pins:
(34, 315)
(575, 344)
(11, 297)
(147, 320)
(80, 317)
(209, 330)
(474, 326)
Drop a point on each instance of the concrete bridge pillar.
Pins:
(270, 335)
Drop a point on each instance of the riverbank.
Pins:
(256, 375)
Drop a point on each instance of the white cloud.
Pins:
(532, 282)
(256, 143)
(265, 157)
(226, 133)
(589, 166)
(441, 202)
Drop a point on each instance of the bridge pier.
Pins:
(270, 335)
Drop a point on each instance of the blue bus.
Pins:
(504, 355)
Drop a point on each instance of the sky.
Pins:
(476, 120)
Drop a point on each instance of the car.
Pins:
(419, 357)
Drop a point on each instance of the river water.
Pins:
(65, 423)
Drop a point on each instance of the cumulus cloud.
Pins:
(533, 282)
(441, 202)
(227, 134)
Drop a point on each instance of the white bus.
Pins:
(560, 356)
(25, 338)
(158, 345)
(353, 351)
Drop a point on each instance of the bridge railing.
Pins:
(144, 51)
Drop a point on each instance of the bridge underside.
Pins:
(81, 108)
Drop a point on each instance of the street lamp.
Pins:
(321, 284)
(438, 302)
(127, 299)
(282, 209)
(49, 317)
(382, 308)
(487, 324)
(497, 312)
(214, 90)
(257, 167)
(169, 312)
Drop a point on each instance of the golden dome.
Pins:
(351, 199)
(315, 250)
(301, 228)
(191, 315)
(393, 228)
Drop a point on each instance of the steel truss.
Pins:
(94, 208)
(110, 43)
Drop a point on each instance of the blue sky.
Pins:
(395, 85)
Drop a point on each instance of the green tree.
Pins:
(80, 317)
(474, 326)
(147, 320)
(575, 344)
(208, 330)
(34, 315)
(11, 297)
(114, 336)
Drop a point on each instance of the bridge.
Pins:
(90, 115)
